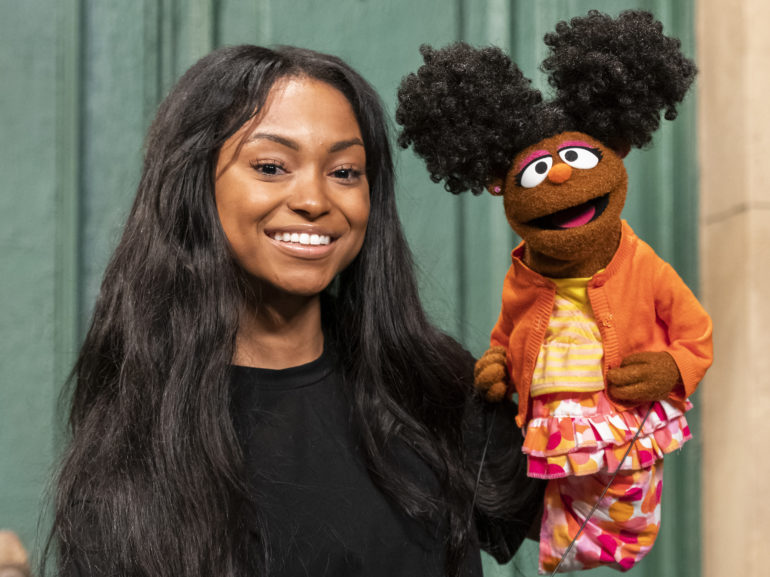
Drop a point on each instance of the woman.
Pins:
(250, 400)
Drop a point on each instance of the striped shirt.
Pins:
(570, 359)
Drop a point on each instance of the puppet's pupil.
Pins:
(541, 167)
(570, 156)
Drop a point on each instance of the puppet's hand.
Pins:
(491, 374)
(643, 377)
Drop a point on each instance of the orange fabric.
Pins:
(639, 302)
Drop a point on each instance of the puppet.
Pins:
(600, 339)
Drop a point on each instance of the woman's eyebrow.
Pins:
(343, 144)
(274, 138)
(289, 143)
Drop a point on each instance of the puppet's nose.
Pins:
(559, 173)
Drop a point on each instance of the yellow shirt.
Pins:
(570, 359)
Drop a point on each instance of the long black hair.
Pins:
(152, 483)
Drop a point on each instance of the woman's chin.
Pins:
(301, 287)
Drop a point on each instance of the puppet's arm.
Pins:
(675, 372)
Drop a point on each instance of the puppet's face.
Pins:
(564, 195)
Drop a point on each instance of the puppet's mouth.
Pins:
(574, 216)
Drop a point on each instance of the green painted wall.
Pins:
(80, 82)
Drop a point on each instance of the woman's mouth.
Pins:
(574, 216)
(302, 238)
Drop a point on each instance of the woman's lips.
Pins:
(573, 216)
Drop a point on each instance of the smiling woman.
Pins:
(301, 173)
(293, 198)
(260, 391)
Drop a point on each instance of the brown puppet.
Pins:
(599, 338)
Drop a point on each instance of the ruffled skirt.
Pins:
(576, 434)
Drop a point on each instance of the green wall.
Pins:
(80, 80)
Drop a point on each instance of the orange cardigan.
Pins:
(640, 304)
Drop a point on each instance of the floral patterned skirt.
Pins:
(578, 441)
(620, 532)
(582, 434)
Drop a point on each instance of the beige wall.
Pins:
(734, 151)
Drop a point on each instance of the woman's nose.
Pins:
(310, 197)
(559, 173)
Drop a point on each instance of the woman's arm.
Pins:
(508, 504)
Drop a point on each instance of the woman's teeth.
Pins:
(302, 238)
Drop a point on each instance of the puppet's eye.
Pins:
(579, 157)
(535, 172)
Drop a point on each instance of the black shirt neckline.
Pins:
(297, 377)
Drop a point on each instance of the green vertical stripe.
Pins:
(68, 187)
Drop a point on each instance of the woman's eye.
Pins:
(535, 172)
(268, 168)
(346, 174)
(579, 157)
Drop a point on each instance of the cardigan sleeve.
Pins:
(689, 328)
(501, 332)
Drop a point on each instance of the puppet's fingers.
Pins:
(495, 355)
(496, 392)
(648, 376)
(490, 375)
(632, 393)
(626, 376)
(642, 392)
(486, 364)
(646, 358)
(646, 366)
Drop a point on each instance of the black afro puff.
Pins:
(468, 111)
(450, 111)
(614, 76)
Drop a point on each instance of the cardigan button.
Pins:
(607, 320)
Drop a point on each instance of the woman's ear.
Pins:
(495, 187)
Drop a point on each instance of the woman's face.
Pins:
(291, 188)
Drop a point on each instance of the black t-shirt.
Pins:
(324, 514)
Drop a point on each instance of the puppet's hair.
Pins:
(613, 76)
(467, 111)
